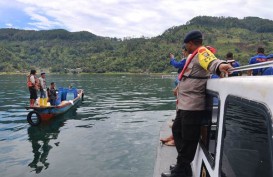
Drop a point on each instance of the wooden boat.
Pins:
(43, 113)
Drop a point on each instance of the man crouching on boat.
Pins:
(52, 94)
(191, 101)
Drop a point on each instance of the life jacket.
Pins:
(29, 83)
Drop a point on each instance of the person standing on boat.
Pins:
(260, 57)
(43, 87)
(269, 70)
(233, 63)
(169, 141)
(32, 83)
(52, 94)
(179, 64)
(192, 101)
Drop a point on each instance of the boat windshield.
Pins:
(247, 139)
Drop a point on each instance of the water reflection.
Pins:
(41, 135)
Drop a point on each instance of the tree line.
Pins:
(59, 50)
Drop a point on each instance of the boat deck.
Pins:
(166, 155)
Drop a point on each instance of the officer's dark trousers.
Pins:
(186, 133)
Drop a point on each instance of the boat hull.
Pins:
(50, 112)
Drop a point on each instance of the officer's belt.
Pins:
(195, 77)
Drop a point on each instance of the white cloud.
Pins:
(41, 22)
(9, 25)
(121, 18)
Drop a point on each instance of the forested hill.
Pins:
(59, 50)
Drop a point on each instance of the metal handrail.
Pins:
(253, 66)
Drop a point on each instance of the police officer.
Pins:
(260, 57)
(191, 101)
(234, 64)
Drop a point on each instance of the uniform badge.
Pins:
(205, 57)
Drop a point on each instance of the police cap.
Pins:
(193, 35)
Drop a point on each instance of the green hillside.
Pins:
(58, 50)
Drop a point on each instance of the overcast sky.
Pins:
(122, 18)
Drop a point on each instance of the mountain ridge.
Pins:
(59, 49)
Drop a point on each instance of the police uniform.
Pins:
(257, 59)
(192, 103)
(269, 70)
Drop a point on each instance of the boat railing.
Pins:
(253, 66)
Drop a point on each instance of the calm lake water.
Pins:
(115, 132)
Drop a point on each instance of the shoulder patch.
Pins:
(205, 57)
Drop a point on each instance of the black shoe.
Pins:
(166, 174)
(175, 168)
(175, 174)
